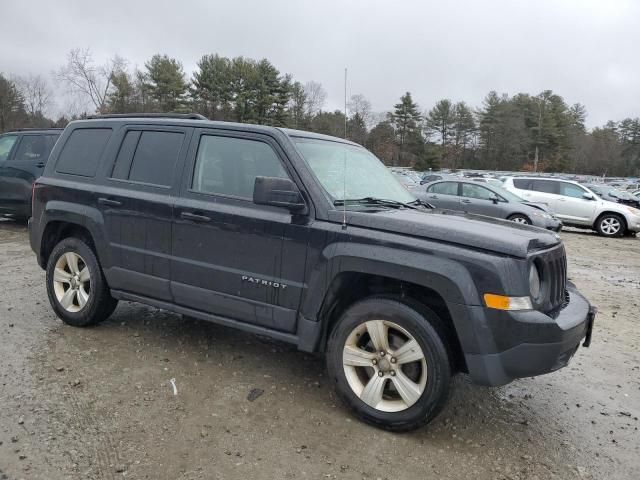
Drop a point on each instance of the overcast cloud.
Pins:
(586, 51)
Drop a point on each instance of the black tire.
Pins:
(605, 222)
(427, 329)
(519, 218)
(100, 304)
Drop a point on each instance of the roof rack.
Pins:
(32, 129)
(183, 116)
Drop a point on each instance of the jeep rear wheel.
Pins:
(76, 286)
(610, 225)
(389, 363)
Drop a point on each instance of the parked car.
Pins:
(262, 229)
(434, 177)
(485, 199)
(576, 205)
(491, 181)
(613, 194)
(23, 155)
(407, 180)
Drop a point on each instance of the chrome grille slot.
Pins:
(554, 264)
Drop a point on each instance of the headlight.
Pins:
(633, 210)
(534, 281)
(541, 214)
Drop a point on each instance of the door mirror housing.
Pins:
(495, 199)
(588, 196)
(278, 192)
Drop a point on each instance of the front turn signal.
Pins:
(501, 302)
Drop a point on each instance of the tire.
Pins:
(430, 376)
(610, 225)
(79, 299)
(519, 218)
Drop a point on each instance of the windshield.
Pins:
(512, 197)
(350, 172)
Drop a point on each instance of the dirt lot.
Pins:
(98, 403)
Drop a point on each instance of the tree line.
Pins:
(521, 132)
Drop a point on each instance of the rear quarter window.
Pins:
(82, 152)
(522, 183)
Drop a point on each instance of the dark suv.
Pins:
(23, 155)
(308, 239)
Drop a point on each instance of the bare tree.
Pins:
(36, 93)
(316, 97)
(83, 76)
(359, 105)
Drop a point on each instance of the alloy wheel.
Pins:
(72, 282)
(610, 225)
(384, 365)
(521, 220)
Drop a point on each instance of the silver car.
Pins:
(486, 199)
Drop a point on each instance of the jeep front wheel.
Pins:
(389, 363)
(76, 286)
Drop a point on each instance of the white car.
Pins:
(577, 206)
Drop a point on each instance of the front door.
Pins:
(231, 257)
(572, 206)
(480, 200)
(444, 195)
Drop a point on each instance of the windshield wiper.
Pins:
(382, 202)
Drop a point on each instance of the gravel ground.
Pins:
(97, 403)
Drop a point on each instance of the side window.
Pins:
(82, 152)
(148, 157)
(34, 147)
(6, 144)
(229, 166)
(522, 183)
(444, 188)
(545, 186)
(476, 191)
(571, 190)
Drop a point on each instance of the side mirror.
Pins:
(278, 192)
(588, 196)
(495, 200)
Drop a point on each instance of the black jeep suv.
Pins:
(308, 239)
(23, 155)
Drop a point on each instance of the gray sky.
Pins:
(584, 50)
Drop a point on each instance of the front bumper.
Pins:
(527, 343)
(633, 222)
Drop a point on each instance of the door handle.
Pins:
(196, 217)
(433, 196)
(40, 164)
(109, 202)
(466, 201)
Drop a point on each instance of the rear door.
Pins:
(543, 191)
(24, 165)
(7, 147)
(571, 205)
(231, 257)
(444, 195)
(136, 202)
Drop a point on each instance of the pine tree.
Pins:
(165, 81)
(406, 119)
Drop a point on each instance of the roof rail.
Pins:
(183, 116)
(32, 129)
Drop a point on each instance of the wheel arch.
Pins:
(621, 216)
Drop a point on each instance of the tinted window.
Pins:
(545, 186)
(444, 188)
(6, 143)
(571, 190)
(155, 157)
(34, 147)
(431, 178)
(522, 183)
(229, 166)
(125, 155)
(82, 152)
(476, 191)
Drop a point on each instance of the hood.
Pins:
(476, 231)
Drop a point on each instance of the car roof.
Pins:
(34, 130)
(191, 121)
(525, 177)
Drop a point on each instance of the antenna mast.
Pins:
(344, 169)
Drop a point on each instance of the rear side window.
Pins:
(35, 147)
(229, 166)
(148, 157)
(6, 144)
(444, 188)
(544, 186)
(81, 154)
(522, 183)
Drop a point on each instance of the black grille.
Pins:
(553, 264)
